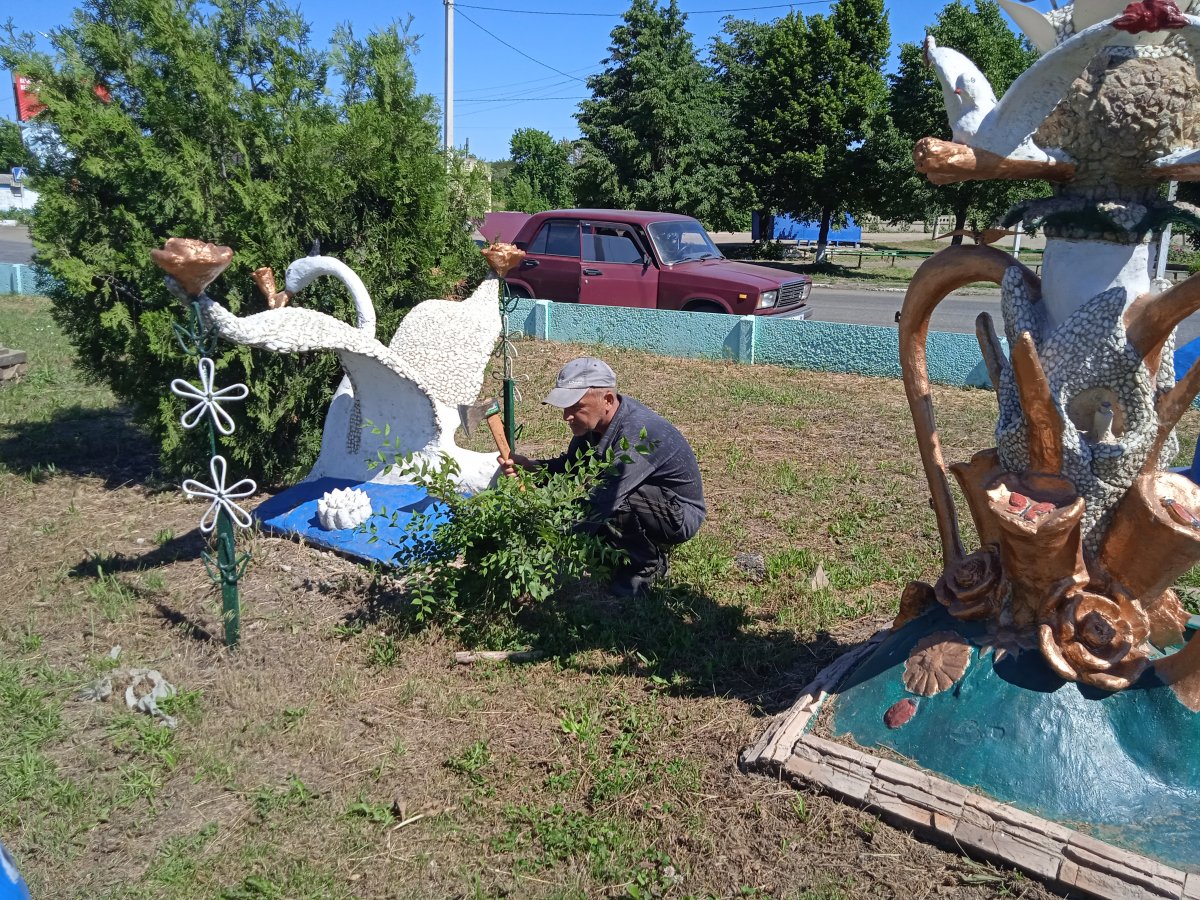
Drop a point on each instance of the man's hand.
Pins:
(516, 461)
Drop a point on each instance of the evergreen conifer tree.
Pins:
(219, 123)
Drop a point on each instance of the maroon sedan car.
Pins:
(646, 259)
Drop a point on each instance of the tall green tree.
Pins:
(917, 109)
(654, 133)
(816, 99)
(732, 57)
(540, 177)
(222, 124)
(12, 148)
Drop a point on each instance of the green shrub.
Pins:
(223, 123)
(509, 544)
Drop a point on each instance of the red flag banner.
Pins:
(28, 104)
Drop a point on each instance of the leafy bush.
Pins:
(222, 122)
(512, 543)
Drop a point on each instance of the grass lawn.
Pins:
(340, 752)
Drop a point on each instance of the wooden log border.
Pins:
(947, 813)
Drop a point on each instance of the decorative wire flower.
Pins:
(221, 496)
(207, 398)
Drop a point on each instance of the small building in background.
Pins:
(15, 193)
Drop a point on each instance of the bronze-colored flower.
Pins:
(192, 263)
(1095, 639)
(503, 258)
(936, 663)
(975, 586)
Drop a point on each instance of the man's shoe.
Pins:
(636, 582)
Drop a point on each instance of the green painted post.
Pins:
(227, 565)
(507, 304)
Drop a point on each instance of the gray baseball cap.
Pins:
(576, 377)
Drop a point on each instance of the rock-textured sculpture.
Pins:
(1049, 667)
(435, 360)
(1082, 532)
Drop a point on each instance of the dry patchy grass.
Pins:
(339, 752)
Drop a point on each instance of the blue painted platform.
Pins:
(293, 513)
(1123, 766)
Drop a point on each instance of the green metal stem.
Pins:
(510, 427)
(507, 302)
(227, 564)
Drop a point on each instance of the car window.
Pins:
(610, 244)
(557, 239)
(682, 239)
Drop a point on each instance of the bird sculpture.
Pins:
(393, 400)
(986, 236)
(966, 91)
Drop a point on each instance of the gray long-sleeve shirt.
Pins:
(669, 464)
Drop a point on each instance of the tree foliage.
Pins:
(654, 131)
(540, 177)
(815, 102)
(12, 148)
(222, 125)
(918, 111)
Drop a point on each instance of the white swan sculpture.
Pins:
(436, 360)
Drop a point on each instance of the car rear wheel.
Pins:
(515, 290)
(704, 306)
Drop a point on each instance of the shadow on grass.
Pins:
(183, 548)
(677, 638)
(80, 441)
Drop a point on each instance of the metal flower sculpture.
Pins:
(208, 400)
(222, 497)
(191, 266)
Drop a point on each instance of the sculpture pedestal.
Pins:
(293, 513)
(1120, 766)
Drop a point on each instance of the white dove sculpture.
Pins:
(411, 388)
(1006, 127)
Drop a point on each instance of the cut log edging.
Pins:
(949, 814)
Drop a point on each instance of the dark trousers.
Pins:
(648, 523)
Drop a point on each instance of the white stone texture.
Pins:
(1086, 351)
(343, 508)
(415, 399)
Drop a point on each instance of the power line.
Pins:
(517, 49)
(696, 12)
(516, 99)
(530, 81)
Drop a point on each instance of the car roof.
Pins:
(638, 216)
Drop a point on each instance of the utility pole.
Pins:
(1164, 240)
(448, 129)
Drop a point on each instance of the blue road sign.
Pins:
(18, 174)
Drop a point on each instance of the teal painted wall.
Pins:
(821, 346)
(19, 279)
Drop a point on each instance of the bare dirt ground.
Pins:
(340, 752)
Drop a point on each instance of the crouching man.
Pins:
(649, 502)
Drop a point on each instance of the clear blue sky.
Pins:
(498, 89)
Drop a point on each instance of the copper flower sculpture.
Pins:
(974, 586)
(1095, 639)
(936, 663)
(193, 264)
(503, 258)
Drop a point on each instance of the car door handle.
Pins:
(592, 272)
(529, 264)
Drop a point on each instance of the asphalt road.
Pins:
(956, 313)
(14, 245)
